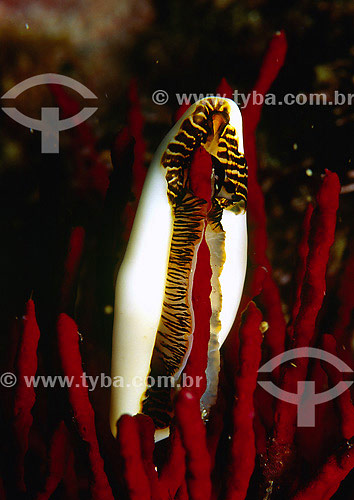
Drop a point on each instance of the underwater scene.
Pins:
(177, 259)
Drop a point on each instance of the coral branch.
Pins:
(182, 493)
(243, 450)
(174, 469)
(275, 336)
(70, 479)
(343, 401)
(138, 170)
(72, 264)
(58, 457)
(88, 160)
(198, 358)
(272, 63)
(135, 477)
(216, 420)
(146, 430)
(321, 237)
(253, 287)
(323, 223)
(224, 89)
(330, 476)
(26, 366)
(193, 436)
(346, 297)
(68, 345)
(303, 252)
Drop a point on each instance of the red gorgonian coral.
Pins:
(250, 446)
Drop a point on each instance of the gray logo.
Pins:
(306, 399)
(49, 124)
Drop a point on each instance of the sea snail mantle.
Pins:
(153, 313)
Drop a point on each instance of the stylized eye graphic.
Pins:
(306, 399)
(154, 322)
(49, 124)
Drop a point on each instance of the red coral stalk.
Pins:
(197, 362)
(181, 110)
(323, 224)
(135, 130)
(224, 89)
(70, 479)
(58, 456)
(216, 420)
(72, 263)
(193, 436)
(303, 252)
(272, 63)
(25, 396)
(343, 401)
(88, 160)
(253, 287)
(346, 297)
(174, 469)
(68, 345)
(275, 336)
(146, 430)
(129, 447)
(243, 450)
(330, 476)
(182, 493)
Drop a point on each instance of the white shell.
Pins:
(140, 284)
